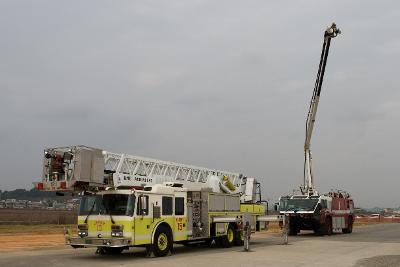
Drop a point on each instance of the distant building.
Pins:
(36, 205)
(388, 211)
(10, 203)
(20, 204)
(59, 206)
(73, 204)
(70, 204)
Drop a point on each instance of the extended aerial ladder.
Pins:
(82, 168)
(308, 186)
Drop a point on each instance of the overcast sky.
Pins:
(219, 84)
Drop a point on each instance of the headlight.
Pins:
(82, 230)
(83, 233)
(117, 230)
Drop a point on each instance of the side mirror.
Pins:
(143, 205)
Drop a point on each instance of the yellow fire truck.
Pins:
(133, 201)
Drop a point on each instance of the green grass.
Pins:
(363, 223)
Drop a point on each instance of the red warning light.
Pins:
(39, 186)
(63, 185)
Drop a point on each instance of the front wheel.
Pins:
(162, 243)
(324, 228)
(293, 230)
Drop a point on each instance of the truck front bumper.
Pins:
(98, 242)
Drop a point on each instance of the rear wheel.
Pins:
(349, 228)
(228, 240)
(162, 243)
(328, 225)
(239, 237)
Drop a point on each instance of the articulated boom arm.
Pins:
(308, 187)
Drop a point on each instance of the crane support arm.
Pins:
(330, 32)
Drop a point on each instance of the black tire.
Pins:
(162, 243)
(218, 241)
(324, 228)
(349, 228)
(321, 229)
(228, 240)
(292, 230)
(239, 237)
(328, 226)
(316, 230)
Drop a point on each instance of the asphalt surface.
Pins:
(375, 245)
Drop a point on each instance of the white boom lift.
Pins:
(322, 213)
(308, 186)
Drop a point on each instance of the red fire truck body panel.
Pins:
(342, 211)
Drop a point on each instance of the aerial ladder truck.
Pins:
(310, 210)
(131, 201)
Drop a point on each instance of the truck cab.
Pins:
(117, 219)
(304, 212)
(158, 216)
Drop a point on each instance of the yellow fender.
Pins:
(156, 227)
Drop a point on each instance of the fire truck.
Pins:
(310, 210)
(131, 201)
(323, 213)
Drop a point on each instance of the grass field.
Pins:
(8, 229)
(363, 223)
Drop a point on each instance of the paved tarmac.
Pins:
(375, 245)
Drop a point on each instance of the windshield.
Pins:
(298, 204)
(107, 204)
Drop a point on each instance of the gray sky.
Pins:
(219, 84)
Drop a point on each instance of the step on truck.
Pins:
(131, 201)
